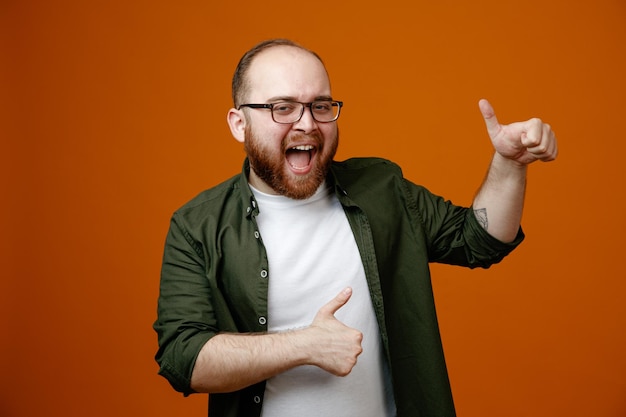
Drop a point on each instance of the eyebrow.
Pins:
(290, 98)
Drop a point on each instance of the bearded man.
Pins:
(301, 287)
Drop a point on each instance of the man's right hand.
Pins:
(334, 346)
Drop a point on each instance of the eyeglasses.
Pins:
(287, 112)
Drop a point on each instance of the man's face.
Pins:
(288, 159)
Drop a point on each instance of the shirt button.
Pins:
(262, 320)
(257, 399)
(248, 210)
(263, 273)
(256, 234)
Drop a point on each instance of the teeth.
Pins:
(303, 147)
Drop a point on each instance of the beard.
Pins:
(270, 166)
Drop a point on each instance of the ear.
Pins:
(237, 123)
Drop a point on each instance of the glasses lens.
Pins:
(286, 112)
(325, 111)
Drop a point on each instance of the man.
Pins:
(301, 287)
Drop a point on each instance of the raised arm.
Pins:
(499, 202)
(229, 362)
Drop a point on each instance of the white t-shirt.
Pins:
(312, 257)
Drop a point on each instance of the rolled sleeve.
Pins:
(455, 237)
(185, 316)
(482, 249)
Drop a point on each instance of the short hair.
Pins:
(240, 85)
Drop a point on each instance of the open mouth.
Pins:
(299, 157)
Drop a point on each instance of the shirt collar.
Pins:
(248, 200)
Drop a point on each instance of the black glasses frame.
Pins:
(270, 106)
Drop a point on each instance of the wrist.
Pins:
(505, 165)
(300, 346)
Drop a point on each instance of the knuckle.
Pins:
(344, 369)
(358, 336)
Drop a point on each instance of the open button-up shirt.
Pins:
(215, 277)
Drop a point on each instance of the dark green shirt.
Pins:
(215, 277)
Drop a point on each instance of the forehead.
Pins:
(287, 72)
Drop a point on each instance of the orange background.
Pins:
(113, 115)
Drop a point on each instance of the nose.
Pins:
(307, 123)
